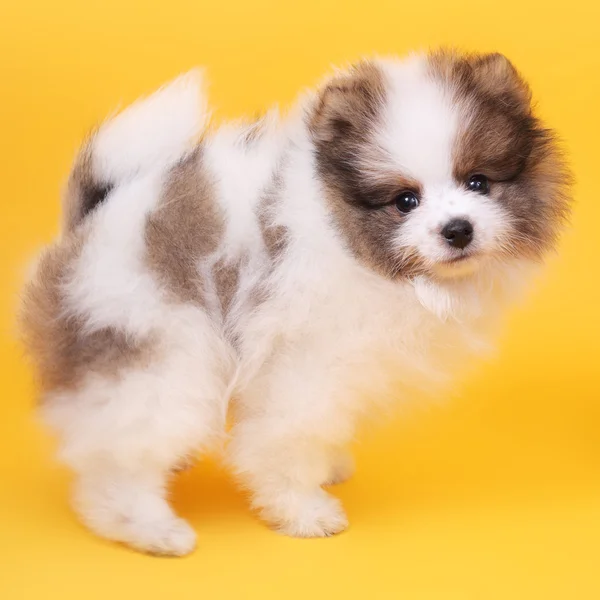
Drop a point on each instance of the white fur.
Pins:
(332, 340)
(152, 132)
(420, 122)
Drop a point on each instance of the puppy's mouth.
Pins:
(458, 259)
(460, 265)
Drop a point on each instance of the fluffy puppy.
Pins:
(290, 275)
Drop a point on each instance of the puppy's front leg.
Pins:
(284, 474)
(285, 446)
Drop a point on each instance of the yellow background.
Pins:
(493, 495)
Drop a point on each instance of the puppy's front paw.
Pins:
(309, 515)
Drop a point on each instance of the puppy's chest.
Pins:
(384, 332)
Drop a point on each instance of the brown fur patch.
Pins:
(83, 191)
(275, 236)
(501, 138)
(61, 350)
(226, 276)
(186, 226)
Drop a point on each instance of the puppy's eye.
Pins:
(406, 201)
(479, 184)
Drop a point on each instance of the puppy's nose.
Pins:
(458, 233)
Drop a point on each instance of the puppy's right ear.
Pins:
(348, 104)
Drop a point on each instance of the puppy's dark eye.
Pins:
(406, 201)
(479, 184)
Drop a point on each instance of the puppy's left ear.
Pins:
(497, 76)
(348, 104)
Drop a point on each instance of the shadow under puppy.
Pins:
(292, 273)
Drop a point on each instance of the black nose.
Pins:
(458, 233)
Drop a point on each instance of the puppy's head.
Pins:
(436, 165)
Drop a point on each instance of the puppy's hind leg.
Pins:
(123, 436)
(130, 506)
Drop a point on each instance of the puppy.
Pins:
(289, 276)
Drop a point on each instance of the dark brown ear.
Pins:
(495, 75)
(348, 104)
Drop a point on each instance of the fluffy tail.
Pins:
(153, 133)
